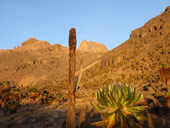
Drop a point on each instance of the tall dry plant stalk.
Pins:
(70, 119)
(150, 120)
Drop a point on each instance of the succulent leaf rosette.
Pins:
(167, 95)
(59, 97)
(10, 96)
(12, 103)
(33, 93)
(12, 106)
(5, 87)
(17, 93)
(117, 105)
(50, 99)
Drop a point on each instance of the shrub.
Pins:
(17, 94)
(33, 93)
(50, 99)
(5, 88)
(157, 95)
(77, 95)
(162, 100)
(59, 97)
(167, 94)
(12, 106)
(117, 103)
(4, 91)
(10, 96)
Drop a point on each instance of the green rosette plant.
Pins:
(45, 96)
(157, 94)
(59, 97)
(10, 96)
(12, 106)
(33, 93)
(17, 93)
(5, 89)
(117, 105)
(50, 99)
(162, 100)
(167, 95)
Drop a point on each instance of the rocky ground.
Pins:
(31, 114)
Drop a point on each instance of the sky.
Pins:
(105, 21)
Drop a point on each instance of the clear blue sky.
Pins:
(105, 21)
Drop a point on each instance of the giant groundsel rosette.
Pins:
(117, 104)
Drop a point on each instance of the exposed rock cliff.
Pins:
(137, 60)
(92, 47)
(33, 44)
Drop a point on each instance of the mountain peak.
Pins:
(29, 41)
(92, 47)
(33, 44)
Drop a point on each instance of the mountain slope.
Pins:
(38, 62)
(138, 59)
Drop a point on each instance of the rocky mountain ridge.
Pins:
(38, 61)
(137, 60)
(92, 47)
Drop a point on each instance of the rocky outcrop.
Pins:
(150, 41)
(92, 47)
(33, 44)
(155, 25)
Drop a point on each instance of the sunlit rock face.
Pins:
(92, 47)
